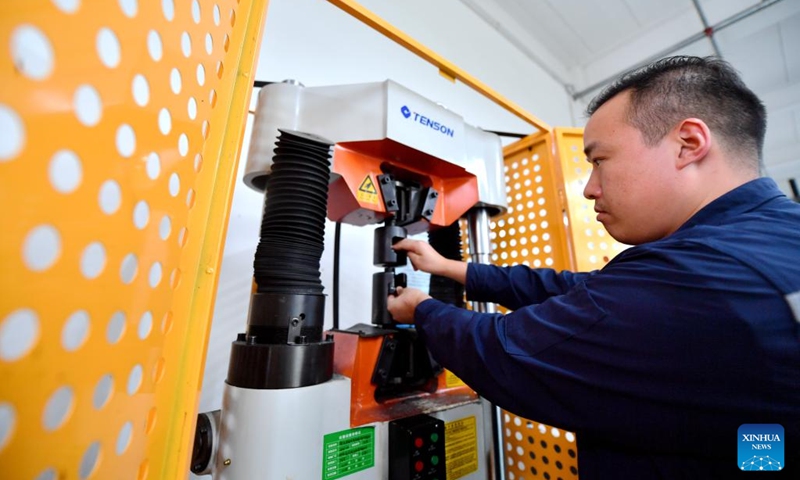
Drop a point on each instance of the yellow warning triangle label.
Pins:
(367, 186)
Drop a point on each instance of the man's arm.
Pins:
(512, 287)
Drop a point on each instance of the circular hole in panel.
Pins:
(13, 138)
(150, 422)
(58, 408)
(204, 128)
(164, 121)
(141, 90)
(8, 418)
(19, 332)
(31, 52)
(168, 7)
(183, 145)
(153, 165)
(548, 262)
(166, 323)
(124, 437)
(195, 11)
(175, 278)
(65, 171)
(134, 379)
(110, 197)
(75, 331)
(108, 48)
(129, 7)
(174, 184)
(537, 263)
(165, 227)
(209, 43)
(155, 274)
(186, 44)
(141, 214)
(217, 15)
(555, 432)
(48, 474)
(190, 197)
(226, 42)
(212, 98)
(542, 429)
(67, 6)
(198, 163)
(128, 269)
(175, 81)
(511, 476)
(90, 460)
(220, 69)
(154, 47)
(116, 326)
(102, 391)
(87, 104)
(201, 74)
(93, 260)
(546, 237)
(144, 469)
(41, 248)
(191, 108)
(510, 460)
(145, 325)
(126, 140)
(570, 437)
(521, 466)
(506, 418)
(158, 370)
(233, 17)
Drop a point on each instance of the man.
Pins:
(657, 359)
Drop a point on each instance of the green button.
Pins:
(434, 437)
(435, 460)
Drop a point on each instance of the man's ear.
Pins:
(694, 138)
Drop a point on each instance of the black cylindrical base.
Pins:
(286, 318)
(260, 366)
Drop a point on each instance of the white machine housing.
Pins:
(376, 111)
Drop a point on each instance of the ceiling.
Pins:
(584, 43)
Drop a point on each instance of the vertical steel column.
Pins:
(480, 251)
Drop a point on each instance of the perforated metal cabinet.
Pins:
(120, 125)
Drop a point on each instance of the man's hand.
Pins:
(402, 305)
(424, 257)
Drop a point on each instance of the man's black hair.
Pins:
(675, 88)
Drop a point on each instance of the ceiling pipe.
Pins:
(683, 43)
(707, 29)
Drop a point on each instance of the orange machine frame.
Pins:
(355, 198)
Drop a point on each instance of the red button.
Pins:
(418, 442)
(419, 466)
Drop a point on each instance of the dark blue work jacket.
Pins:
(655, 360)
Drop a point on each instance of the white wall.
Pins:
(316, 43)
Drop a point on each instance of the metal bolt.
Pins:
(434, 194)
(385, 180)
(295, 322)
(227, 462)
(428, 212)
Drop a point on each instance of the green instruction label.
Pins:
(347, 452)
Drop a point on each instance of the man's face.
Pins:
(631, 183)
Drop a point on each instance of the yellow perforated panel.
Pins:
(532, 232)
(120, 125)
(534, 450)
(592, 245)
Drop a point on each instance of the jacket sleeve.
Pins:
(623, 355)
(517, 286)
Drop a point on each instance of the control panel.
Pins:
(416, 449)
